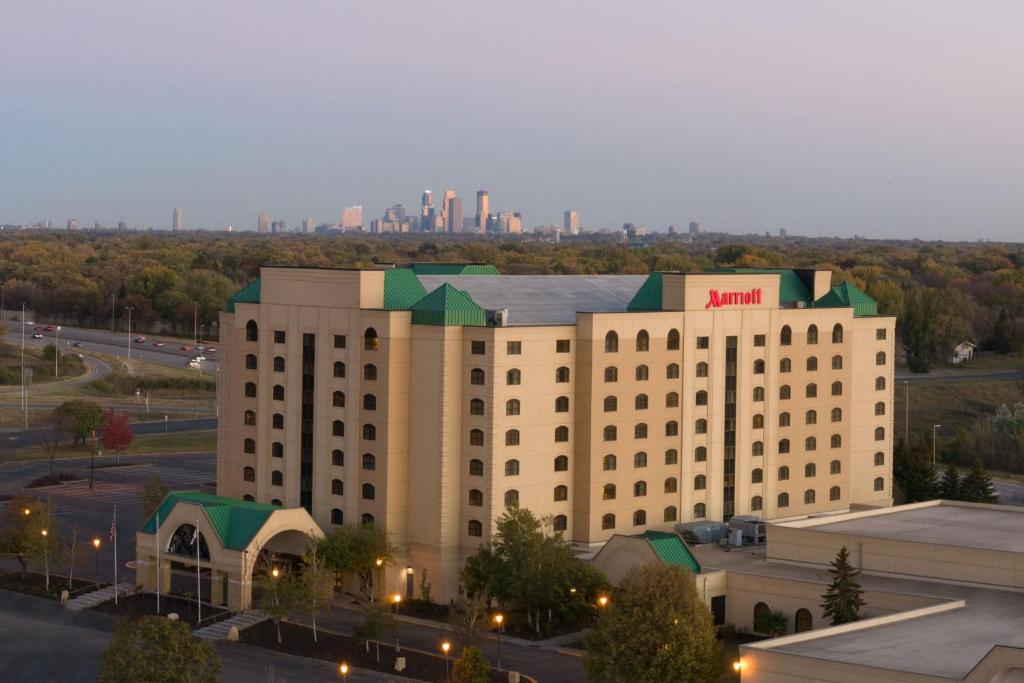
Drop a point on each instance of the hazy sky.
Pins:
(883, 118)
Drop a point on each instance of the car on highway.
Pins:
(192, 364)
(158, 344)
(185, 348)
(140, 340)
(49, 328)
(37, 336)
(211, 350)
(78, 345)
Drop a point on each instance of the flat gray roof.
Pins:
(544, 299)
(968, 527)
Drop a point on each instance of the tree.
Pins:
(949, 487)
(56, 429)
(471, 667)
(356, 550)
(913, 472)
(157, 649)
(776, 624)
(933, 321)
(843, 598)
(279, 595)
(84, 417)
(151, 495)
(115, 432)
(22, 534)
(1003, 333)
(378, 621)
(316, 583)
(656, 628)
(976, 486)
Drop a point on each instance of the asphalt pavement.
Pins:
(14, 440)
(967, 376)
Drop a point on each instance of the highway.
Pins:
(31, 437)
(971, 376)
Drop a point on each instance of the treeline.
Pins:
(942, 292)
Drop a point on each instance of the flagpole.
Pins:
(157, 533)
(115, 553)
(199, 584)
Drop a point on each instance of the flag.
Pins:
(113, 528)
(195, 536)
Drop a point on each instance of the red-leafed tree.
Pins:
(116, 434)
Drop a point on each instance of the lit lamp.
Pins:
(96, 547)
(46, 561)
(27, 512)
(499, 619)
(445, 647)
(737, 666)
(275, 572)
(602, 601)
(396, 598)
(344, 671)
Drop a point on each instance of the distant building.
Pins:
(782, 232)
(121, 225)
(176, 222)
(694, 228)
(308, 226)
(509, 222)
(263, 222)
(483, 210)
(72, 224)
(453, 214)
(671, 229)
(426, 208)
(963, 352)
(469, 224)
(571, 222)
(278, 226)
(352, 218)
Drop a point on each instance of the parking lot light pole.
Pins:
(129, 309)
(935, 429)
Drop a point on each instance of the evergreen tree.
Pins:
(1002, 333)
(157, 649)
(949, 487)
(844, 597)
(976, 486)
(913, 471)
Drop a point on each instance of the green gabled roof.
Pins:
(453, 269)
(648, 297)
(846, 295)
(235, 521)
(671, 549)
(447, 305)
(791, 287)
(402, 289)
(250, 294)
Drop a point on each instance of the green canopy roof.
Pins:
(401, 289)
(447, 305)
(846, 295)
(250, 294)
(235, 521)
(648, 297)
(671, 549)
(453, 269)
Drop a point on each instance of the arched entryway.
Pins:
(803, 621)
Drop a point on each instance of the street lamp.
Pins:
(445, 646)
(129, 309)
(96, 546)
(46, 559)
(195, 322)
(737, 666)
(27, 512)
(56, 352)
(275, 572)
(396, 599)
(602, 601)
(499, 619)
(935, 429)
(344, 671)
(906, 414)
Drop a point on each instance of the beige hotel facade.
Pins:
(429, 398)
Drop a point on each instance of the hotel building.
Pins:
(429, 398)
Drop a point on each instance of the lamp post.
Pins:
(906, 413)
(24, 386)
(445, 646)
(396, 599)
(935, 429)
(129, 309)
(499, 619)
(56, 352)
(46, 559)
(96, 546)
(602, 601)
(195, 323)
(113, 310)
(343, 669)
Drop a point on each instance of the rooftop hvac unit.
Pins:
(499, 317)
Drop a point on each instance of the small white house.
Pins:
(963, 352)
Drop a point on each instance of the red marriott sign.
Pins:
(717, 299)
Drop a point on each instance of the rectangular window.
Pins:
(703, 342)
(880, 333)
(758, 340)
(478, 348)
(339, 341)
(514, 348)
(562, 346)
(279, 336)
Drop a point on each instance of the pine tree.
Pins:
(949, 487)
(913, 471)
(976, 486)
(1002, 333)
(844, 597)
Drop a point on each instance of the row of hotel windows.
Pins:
(337, 426)
(371, 342)
(339, 369)
(337, 398)
(643, 339)
(369, 491)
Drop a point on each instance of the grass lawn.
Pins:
(950, 404)
(149, 443)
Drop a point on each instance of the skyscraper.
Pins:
(72, 224)
(448, 194)
(352, 218)
(571, 222)
(263, 222)
(453, 214)
(694, 228)
(483, 210)
(176, 219)
(308, 226)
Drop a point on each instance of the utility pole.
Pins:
(129, 309)
(113, 311)
(24, 387)
(195, 323)
(906, 414)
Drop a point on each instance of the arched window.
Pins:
(879, 484)
(639, 489)
(880, 358)
(809, 497)
(476, 467)
(783, 501)
(758, 367)
(608, 492)
(640, 431)
(513, 377)
(880, 408)
(812, 364)
(702, 398)
(673, 340)
(837, 388)
(561, 434)
(369, 433)
(610, 462)
(837, 334)
(476, 407)
(784, 392)
(338, 428)
(802, 621)
(784, 419)
(700, 454)
(611, 404)
(671, 457)
(339, 369)
(879, 383)
(511, 468)
(476, 376)
(475, 528)
(811, 391)
(671, 485)
(611, 374)
(810, 470)
(559, 523)
(837, 362)
(250, 389)
(276, 502)
(611, 343)
(834, 493)
(251, 331)
(784, 473)
(512, 406)
(183, 542)
(700, 511)
(671, 428)
(277, 449)
(248, 498)
(642, 373)
(249, 474)
(370, 340)
(811, 417)
(562, 463)
(369, 402)
(762, 618)
(337, 517)
(249, 446)
(758, 394)
(812, 334)
(879, 459)
(701, 426)
(700, 482)
(785, 336)
(512, 437)
(837, 414)
(835, 467)
(810, 444)
(643, 341)
(367, 519)
(756, 503)
(370, 372)
(879, 434)
(250, 361)
(369, 461)
(671, 400)
(785, 365)
(337, 487)
(608, 521)
(278, 364)
(671, 514)
(756, 475)
(476, 437)
(369, 492)
(611, 433)
(640, 459)
(338, 457)
(511, 498)
(757, 448)
(277, 421)
(562, 404)
(639, 518)
(672, 371)
(640, 402)
(249, 418)
(702, 369)
(277, 478)
(836, 441)
(338, 399)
